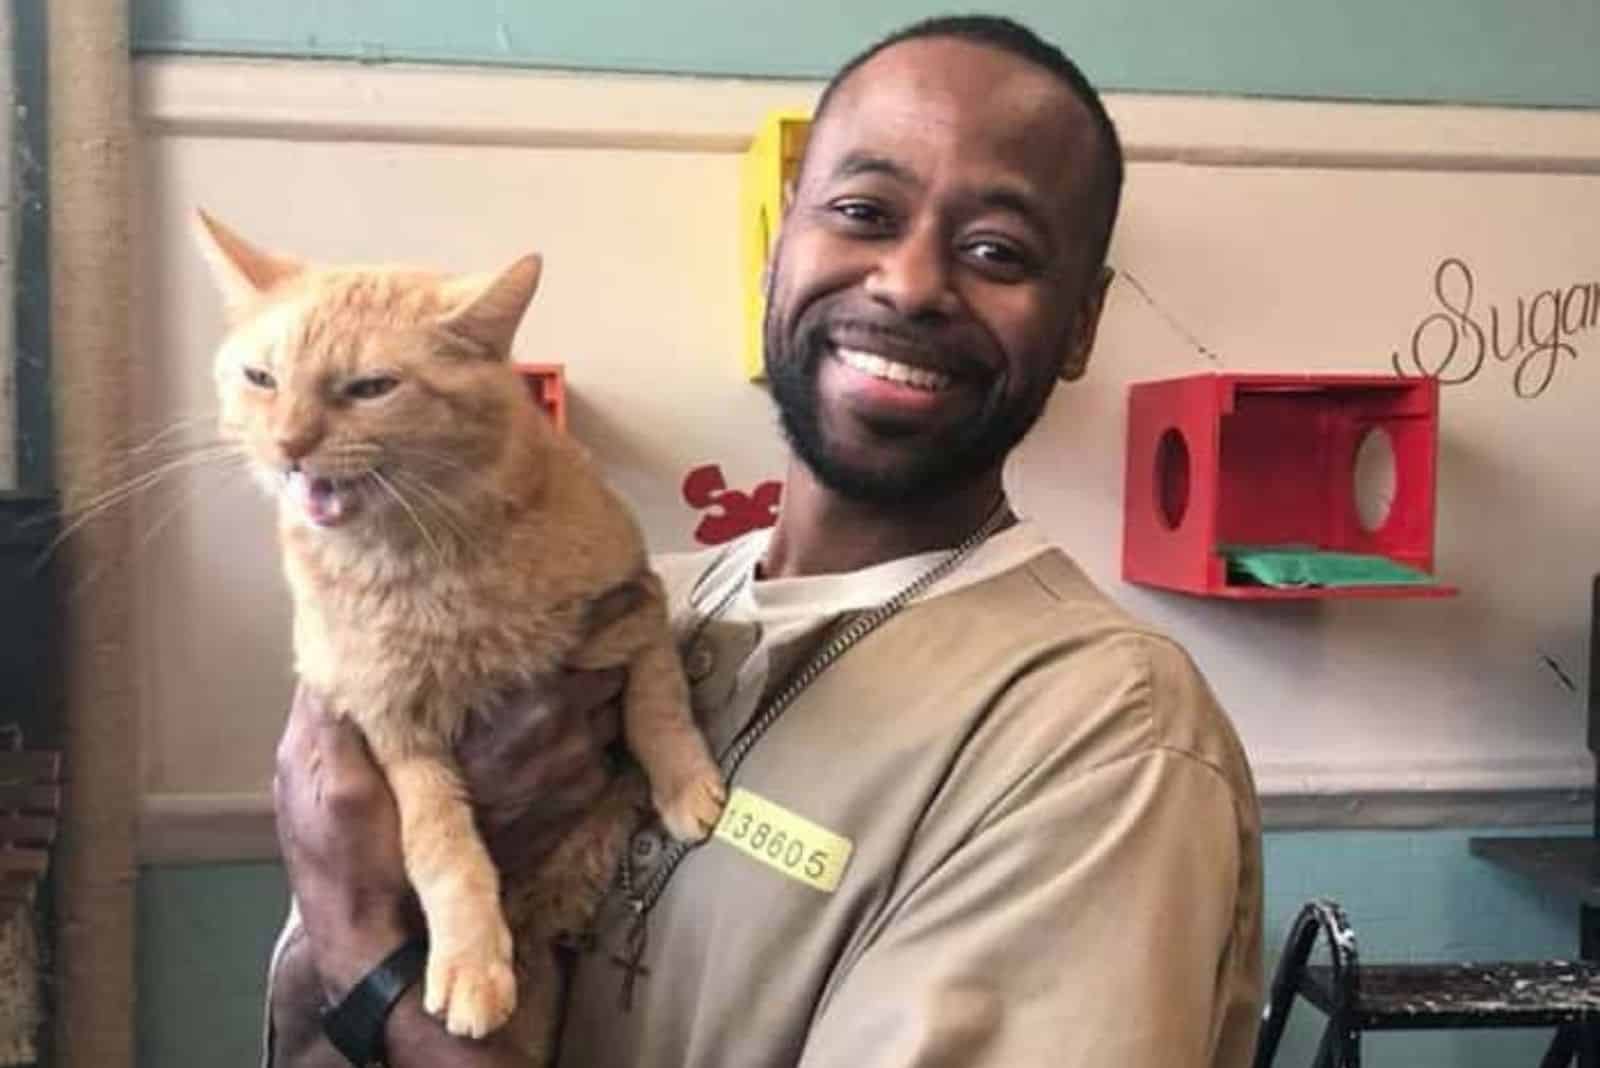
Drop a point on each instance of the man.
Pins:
(980, 817)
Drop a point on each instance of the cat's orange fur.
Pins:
(443, 544)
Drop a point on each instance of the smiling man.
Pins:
(980, 817)
(939, 268)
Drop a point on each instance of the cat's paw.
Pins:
(690, 808)
(470, 985)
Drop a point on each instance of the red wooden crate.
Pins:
(547, 384)
(1263, 459)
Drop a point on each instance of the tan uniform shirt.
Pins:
(1056, 855)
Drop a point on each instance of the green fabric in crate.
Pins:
(1297, 566)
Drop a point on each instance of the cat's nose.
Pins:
(296, 446)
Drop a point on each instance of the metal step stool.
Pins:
(1564, 995)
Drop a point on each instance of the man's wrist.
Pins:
(344, 961)
(357, 1023)
(340, 973)
(349, 934)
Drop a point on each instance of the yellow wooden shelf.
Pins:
(770, 165)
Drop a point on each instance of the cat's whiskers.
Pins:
(416, 520)
(226, 465)
(82, 514)
(437, 504)
(122, 459)
(170, 430)
(424, 458)
(347, 460)
(195, 453)
(421, 462)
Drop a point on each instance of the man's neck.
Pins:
(821, 533)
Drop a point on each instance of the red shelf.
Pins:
(1270, 459)
(547, 385)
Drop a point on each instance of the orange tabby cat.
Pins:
(443, 542)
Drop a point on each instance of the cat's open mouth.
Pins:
(325, 502)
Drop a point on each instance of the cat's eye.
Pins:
(370, 388)
(259, 378)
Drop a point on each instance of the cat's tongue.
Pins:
(321, 499)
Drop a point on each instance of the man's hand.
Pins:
(539, 762)
(339, 832)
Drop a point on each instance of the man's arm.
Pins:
(411, 1037)
(339, 834)
(1099, 915)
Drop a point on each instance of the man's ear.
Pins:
(490, 309)
(1080, 342)
(243, 271)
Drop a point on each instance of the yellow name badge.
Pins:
(779, 839)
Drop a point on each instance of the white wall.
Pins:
(1285, 236)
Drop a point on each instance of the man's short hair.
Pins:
(1010, 36)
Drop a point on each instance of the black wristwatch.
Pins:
(355, 1025)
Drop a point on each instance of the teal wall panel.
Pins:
(205, 933)
(1536, 52)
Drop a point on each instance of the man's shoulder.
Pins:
(1102, 676)
(1048, 597)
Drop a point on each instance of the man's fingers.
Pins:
(605, 724)
(587, 691)
(614, 604)
(527, 729)
(323, 763)
(297, 747)
(341, 745)
(305, 711)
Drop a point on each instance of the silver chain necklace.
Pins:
(641, 899)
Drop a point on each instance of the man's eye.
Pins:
(860, 212)
(259, 378)
(370, 388)
(1000, 256)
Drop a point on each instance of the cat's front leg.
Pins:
(686, 785)
(469, 983)
(658, 720)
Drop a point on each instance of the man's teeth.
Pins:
(870, 363)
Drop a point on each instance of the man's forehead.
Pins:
(987, 95)
(958, 78)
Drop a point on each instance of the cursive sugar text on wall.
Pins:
(1457, 342)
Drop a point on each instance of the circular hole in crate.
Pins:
(1375, 477)
(1172, 477)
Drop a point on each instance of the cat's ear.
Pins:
(243, 272)
(490, 309)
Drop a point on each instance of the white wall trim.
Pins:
(454, 105)
(206, 828)
(1569, 772)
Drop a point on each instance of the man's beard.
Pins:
(957, 458)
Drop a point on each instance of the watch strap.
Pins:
(355, 1025)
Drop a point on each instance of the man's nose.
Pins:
(913, 276)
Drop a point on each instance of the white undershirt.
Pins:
(784, 601)
(786, 610)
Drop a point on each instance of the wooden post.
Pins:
(89, 131)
